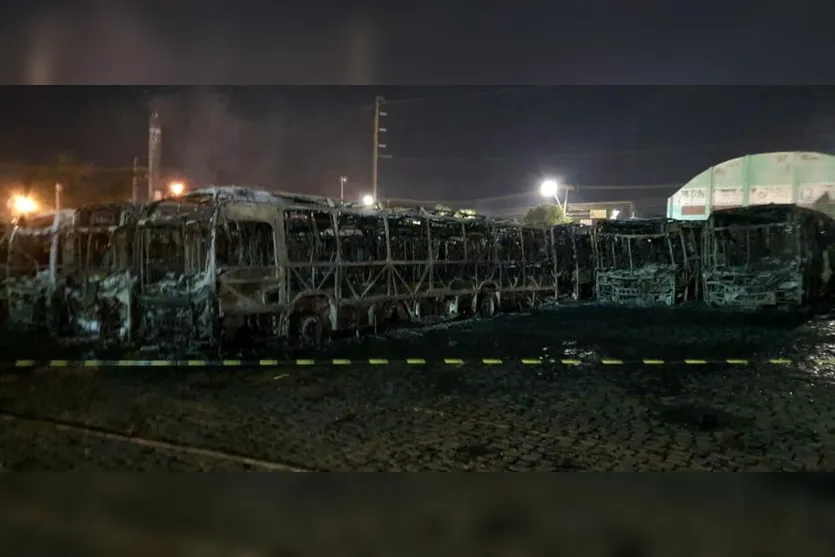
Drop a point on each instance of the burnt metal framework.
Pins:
(69, 273)
(32, 269)
(232, 263)
(575, 256)
(646, 262)
(6, 228)
(771, 255)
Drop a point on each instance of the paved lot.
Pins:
(437, 416)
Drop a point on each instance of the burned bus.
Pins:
(574, 261)
(232, 264)
(646, 262)
(98, 275)
(768, 255)
(70, 273)
(6, 228)
(33, 263)
(524, 271)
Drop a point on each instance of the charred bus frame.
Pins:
(233, 263)
(771, 255)
(70, 272)
(230, 265)
(646, 262)
(5, 236)
(33, 264)
(574, 254)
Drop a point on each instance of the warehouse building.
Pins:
(584, 213)
(588, 213)
(516, 206)
(801, 178)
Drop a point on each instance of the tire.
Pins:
(308, 331)
(486, 305)
(450, 308)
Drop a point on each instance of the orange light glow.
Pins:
(177, 188)
(23, 205)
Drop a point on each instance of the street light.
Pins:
(21, 205)
(367, 200)
(549, 188)
(176, 188)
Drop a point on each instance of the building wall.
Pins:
(803, 178)
(577, 211)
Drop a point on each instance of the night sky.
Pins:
(447, 143)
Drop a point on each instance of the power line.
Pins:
(575, 154)
(469, 94)
(14, 167)
(578, 189)
(409, 100)
(349, 112)
(627, 187)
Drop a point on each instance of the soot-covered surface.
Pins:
(470, 417)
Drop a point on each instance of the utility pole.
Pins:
(378, 102)
(134, 195)
(154, 154)
(53, 256)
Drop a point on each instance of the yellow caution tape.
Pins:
(408, 361)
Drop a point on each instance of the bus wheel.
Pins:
(309, 330)
(486, 305)
(450, 307)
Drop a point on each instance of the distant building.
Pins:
(585, 213)
(801, 178)
(515, 206)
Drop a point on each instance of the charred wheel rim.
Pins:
(486, 305)
(309, 331)
(450, 307)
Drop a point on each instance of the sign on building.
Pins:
(809, 194)
(693, 201)
(727, 197)
(764, 195)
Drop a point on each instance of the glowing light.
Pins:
(549, 188)
(23, 205)
(367, 200)
(176, 188)
(614, 214)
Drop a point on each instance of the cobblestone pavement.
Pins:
(469, 417)
(266, 515)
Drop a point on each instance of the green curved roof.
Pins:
(803, 178)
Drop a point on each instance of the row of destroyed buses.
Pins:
(225, 265)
